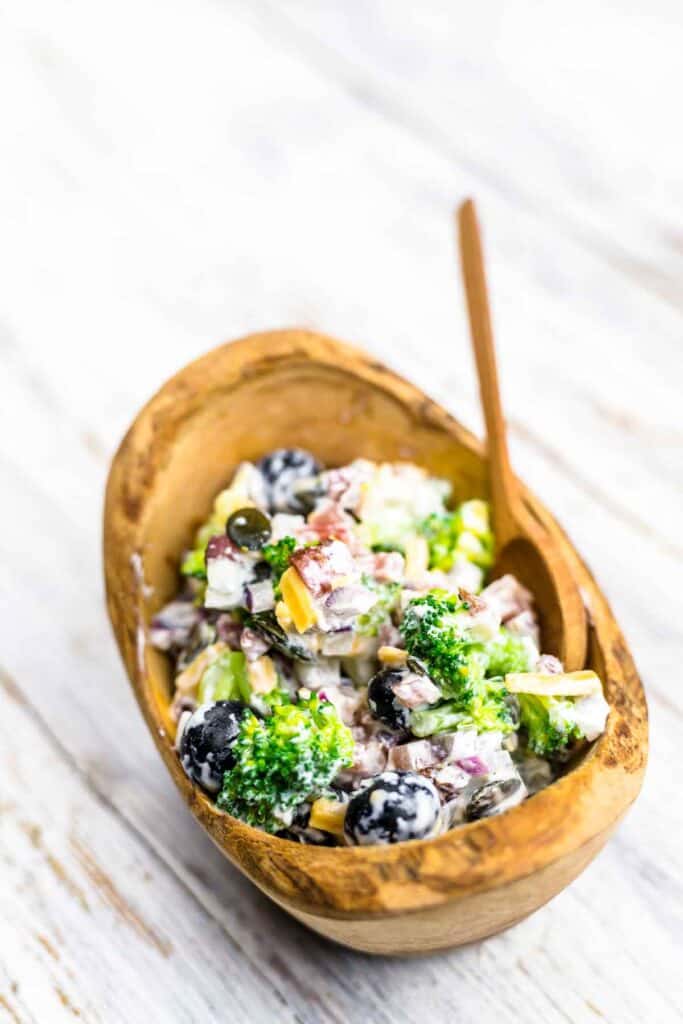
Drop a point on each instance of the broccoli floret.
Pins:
(549, 722)
(441, 534)
(461, 535)
(283, 760)
(277, 556)
(509, 652)
(487, 710)
(194, 563)
(435, 630)
(387, 599)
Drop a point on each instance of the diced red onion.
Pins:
(221, 546)
(472, 765)
(171, 627)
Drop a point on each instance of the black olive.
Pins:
(382, 700)
(262, 571)
(207, 741)
(492, 798)
(270, 629)
(281, 469)
(311, 837)
(248, 528)
(394, 808)
(287, 833)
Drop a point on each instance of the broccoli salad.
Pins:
(345, 673)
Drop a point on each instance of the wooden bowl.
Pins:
(299, 388)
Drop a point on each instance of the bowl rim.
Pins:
(379, 880)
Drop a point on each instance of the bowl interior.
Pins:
(324, 409)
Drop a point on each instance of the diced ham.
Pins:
(344, 485)
(369, 759)
(548, 663)
(467, 743)
(508, 596)
(389, 636)
(450, 779)
(388, 566)
(415, 690)
(413, 757)
(325, 567)
(346, 700)
(483, 618)
(329, 521)
(385, 566)
(525, 624)
(229, 631)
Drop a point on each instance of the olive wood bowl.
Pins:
(295, 387)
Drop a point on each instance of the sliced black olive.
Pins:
(203, 635)
(512, 707)
(394, 808)
(207, 742)
(288, 833)
(309, 836)
(417, 666)
(493, 798)
(281, 469)
(306, 491)
(248, 528)
(270, 629)
(382, 700)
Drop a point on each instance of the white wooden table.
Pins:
(174, 174)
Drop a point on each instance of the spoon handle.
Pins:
(505, 496)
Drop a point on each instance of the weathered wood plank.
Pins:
(564, 129)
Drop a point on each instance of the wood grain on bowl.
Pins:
(299, 388)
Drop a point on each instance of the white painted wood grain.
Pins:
(171, 175)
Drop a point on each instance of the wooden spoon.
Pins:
(523, 546)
